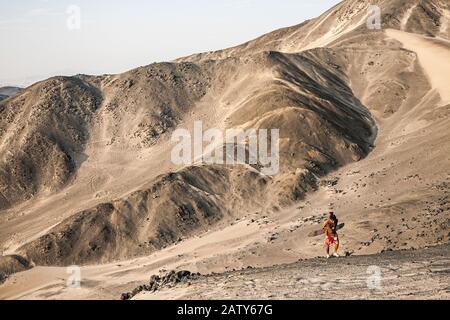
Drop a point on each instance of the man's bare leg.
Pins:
(328, 249)
(336, 248)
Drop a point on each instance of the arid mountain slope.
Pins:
(347, 20)
(41, 130)
(302, 96)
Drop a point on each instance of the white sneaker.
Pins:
(328, 256)
(336, 255)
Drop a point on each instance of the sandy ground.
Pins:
(422, 274)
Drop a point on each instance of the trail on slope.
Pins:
(433, 55)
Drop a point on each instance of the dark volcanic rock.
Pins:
(170, 280)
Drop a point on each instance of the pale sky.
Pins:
(118, 35)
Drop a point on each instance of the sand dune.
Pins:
(434, 57)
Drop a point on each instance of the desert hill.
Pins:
(300, 96)
(347, 21)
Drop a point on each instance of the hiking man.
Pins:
(331, 236)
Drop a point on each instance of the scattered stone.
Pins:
(170, 280)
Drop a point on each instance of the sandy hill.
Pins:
(344, 24)
(86, 176)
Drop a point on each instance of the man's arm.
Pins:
(325, 225)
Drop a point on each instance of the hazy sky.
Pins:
(41, 38)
